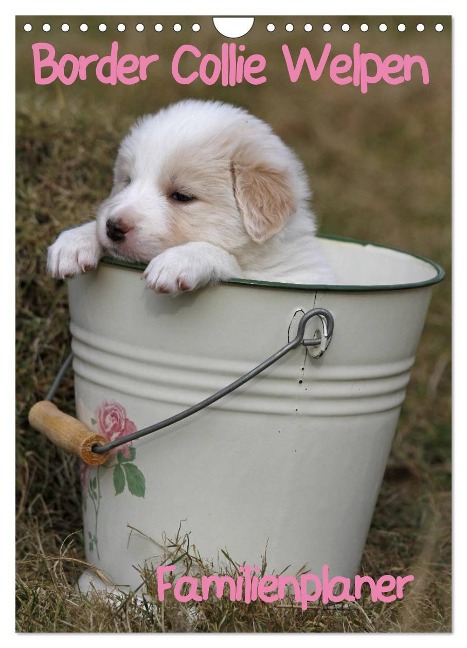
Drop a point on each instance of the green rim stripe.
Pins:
(322, 287)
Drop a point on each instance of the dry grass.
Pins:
(380, 168)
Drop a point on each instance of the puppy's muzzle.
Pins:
(116, 229)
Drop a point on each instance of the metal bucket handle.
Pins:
(72, 435)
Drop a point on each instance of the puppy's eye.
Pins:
(181, 197)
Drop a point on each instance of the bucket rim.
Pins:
(440, 274)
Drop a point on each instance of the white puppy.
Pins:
(204, 192)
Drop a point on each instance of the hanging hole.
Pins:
(233, 27)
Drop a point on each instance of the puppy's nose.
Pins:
(116, 229)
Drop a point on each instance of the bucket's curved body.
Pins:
(292, 462)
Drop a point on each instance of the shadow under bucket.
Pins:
(292, 461)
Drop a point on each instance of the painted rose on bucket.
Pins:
(113, 423)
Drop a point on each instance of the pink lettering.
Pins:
(231, 53)
(365, 580)
(340, 64)
(401, 581)
(176, 62)
(365, 77)
(192, 594)
(161, 584)
(286, 581)
(305, 597)
(111, 62)
(307, 588)
(219, 582)
(110, 69)
(392, 64)
(305, 57)
(254, 64)
(127, 65)
(230, 68)
(69, 58)
(363, 69)
(337, 589)
(266, 587)
(203, 73)
(383, 585)
(144, 62)
(366, 68)
(409, 62)
(84, 61)
(40, 63)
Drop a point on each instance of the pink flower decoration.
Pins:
(113, 423)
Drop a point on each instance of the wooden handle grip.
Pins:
(67, 432)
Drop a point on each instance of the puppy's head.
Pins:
(199, 171)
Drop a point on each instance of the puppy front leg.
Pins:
(189, 266)
(75, 251)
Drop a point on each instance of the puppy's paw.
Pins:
(75, 251)
(174, 272)
(189, 266)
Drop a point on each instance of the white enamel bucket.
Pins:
(291, 462)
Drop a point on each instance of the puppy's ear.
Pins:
(265, 198)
